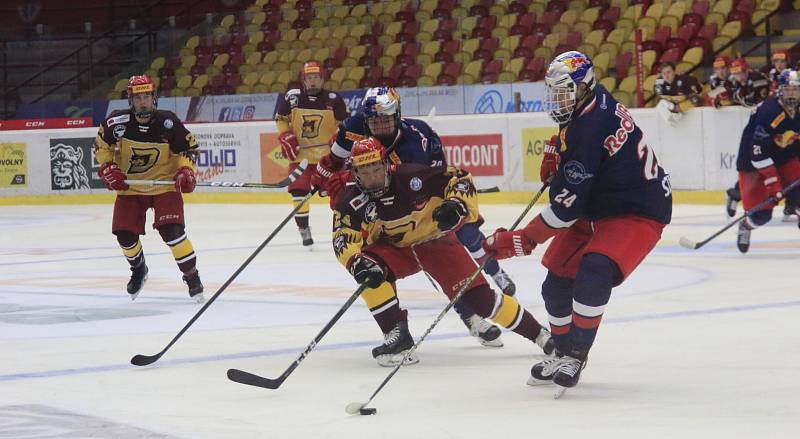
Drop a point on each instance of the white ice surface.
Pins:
(695, 344)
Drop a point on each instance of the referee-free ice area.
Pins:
(694, 344)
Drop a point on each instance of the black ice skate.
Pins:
(543, 371)
(733, 197)
(545, 341)
(487, 333)
(138, 278)
(789, 212)
(567, 374)
(743, 238)
(395, 345)
(305, 234)
(195, 286)
(504, 282)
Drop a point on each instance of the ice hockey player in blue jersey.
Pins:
(410, 141)
(768, 151)
(609, 202)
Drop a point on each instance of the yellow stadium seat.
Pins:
(424, 59)
(221, 59)
(506, 77)
(609, 83)
(422, 16)
(656, 10)
(602, 60)
(499, 32)
(648, 58)
(671, 22)
(716, 18)
(648, 25)
(721, 41)
(515, 66)
(285, 76)
(511, 42)
(731, 29)
(628, 84)
(722, 7)
(430, 26)
(192, 92)
(321, 54)
(393, 50)
(431, 47)
(358, 30)
(428, 5)
(507, 21)
(244, 89)
(625, 98)
(304, 55)
(356, 73)
(459, 13)
(569, 17)
(356, 52)
(578, 5)
(121, 84)
(243, 70)
(590, 15)
(267, 78)
(192, 42)
(287, 56)
(184, 81)
(649, 82)
(465, 79)
(332, 85)
(693, 56)
(339, 74)
(468, 24)
(537, 8)
(200, 81)
(253, 58)
(277, 87)
(349, 84)
(359, 11)
(544, 52)
(306, 34)
(462, 57)
(424, 81)
(551, 40)
(625, 24)
(433, 70)
(393, 28)
(188, 61)
(503, 54)
(386, 62)
(582, 27)
(633, 13)
(474, 68)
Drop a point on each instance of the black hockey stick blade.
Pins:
(144, 360)
(250, 379)
(489, 190)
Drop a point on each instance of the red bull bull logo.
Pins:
(574, 63)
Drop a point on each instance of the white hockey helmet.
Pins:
(563, 76)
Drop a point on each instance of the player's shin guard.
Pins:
(384, 306)
(301, 217)
(591, 292)
(507, 312)
(131, 248)
(174, 235)
(557, 295)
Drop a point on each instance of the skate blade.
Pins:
(496, 343)
(392, 360)
(560, 390)
(789, 219)
(534, 382)
(136, 294)
(199, 298)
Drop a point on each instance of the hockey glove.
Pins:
(550, 159)
(366, 270)
(289, 145)
(504, 244)
(772, 182)
(113, 177)
(449, 214)
(336, 185)
(324, 170)
(185, 180)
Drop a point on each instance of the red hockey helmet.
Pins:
(370, 166)
(722, 61)
(142, 84)
(311, 84)
(739, 65)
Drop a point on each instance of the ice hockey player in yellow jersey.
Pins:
(149, 144)
(307, 120)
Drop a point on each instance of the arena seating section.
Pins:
(447, 42)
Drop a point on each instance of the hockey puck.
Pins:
(367, 411)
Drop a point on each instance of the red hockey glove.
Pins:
(185, 180)
(365, 269)
(550, 159)
(504, 244)
(113, 177)
(324, 170)
(336, 185)
(772, 182)
(449, 214)
(289, 145)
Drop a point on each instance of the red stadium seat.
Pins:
(622, 64)
(413, 71)
(687, 31)
(611, 14)
(662, 34)
(700, 7)
(494, 66)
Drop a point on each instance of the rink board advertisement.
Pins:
(502, 149)
(13, 165)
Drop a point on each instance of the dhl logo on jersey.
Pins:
(786, 139)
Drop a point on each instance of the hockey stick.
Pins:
(250, 379)
(361, 408)
(315, 145)
(143, 360)
(692, 245)
(301, 167)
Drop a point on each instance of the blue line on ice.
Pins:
(341, 346)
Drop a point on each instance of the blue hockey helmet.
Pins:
(381, 111)
(789, 88)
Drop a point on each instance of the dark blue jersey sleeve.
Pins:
(350, 130)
